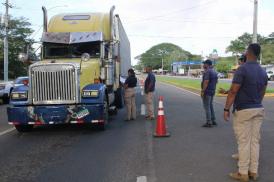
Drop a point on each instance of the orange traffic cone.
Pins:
(161, 125)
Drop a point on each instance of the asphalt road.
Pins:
(126, 151)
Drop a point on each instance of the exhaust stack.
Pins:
(45, 14)
(111, 21)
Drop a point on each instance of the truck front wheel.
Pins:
(119, 100)
(6, 99)
(24, 128)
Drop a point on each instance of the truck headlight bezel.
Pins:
(90, 93)
(19, 95)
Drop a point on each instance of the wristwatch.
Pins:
(226, 110)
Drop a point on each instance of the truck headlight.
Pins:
(19, 95)
(85, 57)
(90, 93)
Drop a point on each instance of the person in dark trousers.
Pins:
(246, 94)
(149, 93)
(129, 86)
(208, 87)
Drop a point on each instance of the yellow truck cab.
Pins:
(83, 58)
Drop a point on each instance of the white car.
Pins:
(5, 90)
(6, 87)
(270, 75)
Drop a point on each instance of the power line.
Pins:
(36, 32)
(179, 37)
(174, 12)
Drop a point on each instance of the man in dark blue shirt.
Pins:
(149, 90)
(129, 86)
(246, 94)
(208, 87)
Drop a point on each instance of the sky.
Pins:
(198, 26)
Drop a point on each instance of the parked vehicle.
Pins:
(22, 80)
(5, 91)
(77, 80)
(270, 75)
(221, 75)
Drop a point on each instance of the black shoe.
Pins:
(214, 123)
(127, 120)
(207, 125)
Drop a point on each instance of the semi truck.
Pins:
(77, 81)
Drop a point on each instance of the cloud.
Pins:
(197, 26)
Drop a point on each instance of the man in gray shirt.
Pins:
(246, 94)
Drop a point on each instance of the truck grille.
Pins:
(53, 84)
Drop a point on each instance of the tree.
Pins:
(166, 51)
(138, 67)
(239, 45)
(19, 32)
(271, 35)
(268, 54)
(224, 64)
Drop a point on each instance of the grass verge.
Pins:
(195, 84)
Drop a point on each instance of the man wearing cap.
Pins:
(241, 60)
(208, 87)
(246, 94)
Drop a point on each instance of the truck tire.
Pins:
(119, 99)
(24, 128)
(102, 126)
(6, 99)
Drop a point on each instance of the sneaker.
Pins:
(240, 177)
(214, 123)
(207, 125)
(253, 176)
(235, 156)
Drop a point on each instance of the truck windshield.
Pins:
(54, 50)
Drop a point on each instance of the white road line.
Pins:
(188, 91)
(143, 109)
(142, 179)
(6, 131)
(150, 153)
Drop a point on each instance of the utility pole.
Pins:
(162, 65)
(6, 45)
(255, 22)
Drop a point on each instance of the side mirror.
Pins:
(23, 57)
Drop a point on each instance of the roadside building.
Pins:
(187, 68)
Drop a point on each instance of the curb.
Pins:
(266, 95)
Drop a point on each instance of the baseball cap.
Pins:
(242, 58)
(208, 62)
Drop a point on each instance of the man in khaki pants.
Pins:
(130, 85)
(246, 94)
(149, 93)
